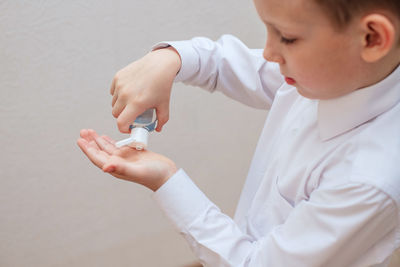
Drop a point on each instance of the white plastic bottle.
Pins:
(140, 129)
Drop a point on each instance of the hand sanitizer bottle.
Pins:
(140, 129)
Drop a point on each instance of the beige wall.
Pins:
(57, 60)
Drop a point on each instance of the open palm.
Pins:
(144, 167)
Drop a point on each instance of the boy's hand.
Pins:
(144, 167)
(145, 83)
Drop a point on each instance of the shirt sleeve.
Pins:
(333, 228)
(230, 67)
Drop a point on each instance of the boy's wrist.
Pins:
(169, 173)
(173, 57)
(177, 57)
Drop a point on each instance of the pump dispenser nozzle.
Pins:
(140, 129)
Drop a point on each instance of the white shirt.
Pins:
(323, 188)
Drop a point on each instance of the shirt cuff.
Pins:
(181, 200)
(189, 58)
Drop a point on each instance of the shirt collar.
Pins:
(339, 115)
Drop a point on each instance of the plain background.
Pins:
(58, 59)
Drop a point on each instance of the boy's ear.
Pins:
(378, 34)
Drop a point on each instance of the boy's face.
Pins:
(319, 61)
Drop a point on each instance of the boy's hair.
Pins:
(341, 12)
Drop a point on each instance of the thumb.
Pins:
(123, 169)
(109, 167)
(128, 116)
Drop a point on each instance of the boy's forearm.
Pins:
(228, 66)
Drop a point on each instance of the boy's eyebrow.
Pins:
(270, 24)
(267, 23)
(279, 28)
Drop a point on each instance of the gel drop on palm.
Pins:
(140, 129)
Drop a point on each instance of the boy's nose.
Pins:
(271, 54)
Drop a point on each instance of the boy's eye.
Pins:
(287, 41)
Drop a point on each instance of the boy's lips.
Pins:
(290, 81)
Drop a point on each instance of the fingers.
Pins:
(126, 116)
(162, 117)
(84, 133)
(106, 145)
(95, 155)
(114, 99)
(109, 139)
(99, 150)
(118, 106)
(93, 140)
(112, 88)
(89, 135)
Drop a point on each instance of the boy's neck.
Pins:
(378, 71)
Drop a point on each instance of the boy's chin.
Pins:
(306, 93)
(314, 95)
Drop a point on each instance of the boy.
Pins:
(324, 186)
